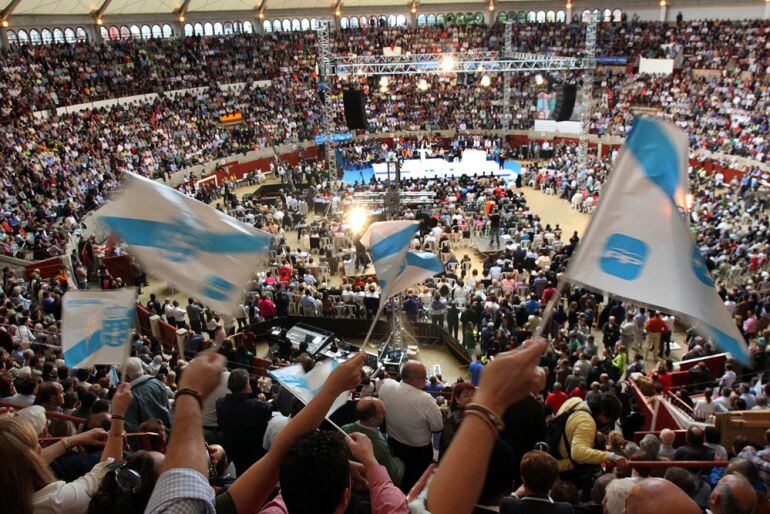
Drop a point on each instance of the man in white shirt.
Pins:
(728, 377)
(413, 416)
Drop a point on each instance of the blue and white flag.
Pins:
(638, 245)
(305, 386)
(96, 327)
(398, 268)
(201, 251)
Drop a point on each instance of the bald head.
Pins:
(733, 495)
(413, 373)
(677, 502)
(371, 411)
(667, 436)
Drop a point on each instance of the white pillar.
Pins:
(181, 336)
(154, 327)
(569, 13)
(663, 10)
(767, 10)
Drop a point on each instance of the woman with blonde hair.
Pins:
(29, 486)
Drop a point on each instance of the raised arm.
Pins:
(120, 402)
(186, 446)
(505, 381)
(252, 488)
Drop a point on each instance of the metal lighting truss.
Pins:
(326, 84)
(461, 62)
(587, 90)
(507, 52)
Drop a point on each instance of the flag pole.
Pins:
(548, 312)
(374, 322)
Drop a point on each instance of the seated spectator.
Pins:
(676, 501)
(538, 473)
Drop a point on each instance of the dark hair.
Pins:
(712, 435)
(239, 378)
(607, 404)
(683, 479)
(82, 375)
(500, 473)
(47, 391)
(314, 474)
(641, 455)
(6, 385)
(87, 400)
(109, 499)
(26, 386)
(695, 435)
(565, 491)
(99, 406)
(538, 471)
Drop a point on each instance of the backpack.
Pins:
(556, 432)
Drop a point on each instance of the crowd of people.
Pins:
(84, 152)
(537, 424)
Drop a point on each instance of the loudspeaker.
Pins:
(355, 109)
(565, 102)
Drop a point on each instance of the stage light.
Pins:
(491, 5)
(181, 18)
(414, 7)
(357, 219)
(486, 81)
(384, 81)
(422, 85)
(99, 21)
(5, 23)
(539, 79)
(261, 14)
(689, 201)
(448, 63)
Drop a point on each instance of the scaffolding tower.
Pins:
(587, 90)
(326, 90)
(507, 53)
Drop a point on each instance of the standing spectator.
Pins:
(242, 418)
(413, 417)
(150, 398)
(194, 315)
(539, 471)
(475, 369)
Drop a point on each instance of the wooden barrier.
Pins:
(48, 414)
(750, 423)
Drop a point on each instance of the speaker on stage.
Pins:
(565, 102)
(355, 109)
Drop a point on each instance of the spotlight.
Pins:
(422, 85)
(99, 21)
(181, 18)
(5, 23)
(337, 12)
(689, 201)
(491, 5)
(486, 81)
(357, 219)
(539, 79)
(261, 14)
(384, 81)
(448, 63)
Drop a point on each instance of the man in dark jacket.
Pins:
(242, 418)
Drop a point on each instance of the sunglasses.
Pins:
(128, 480)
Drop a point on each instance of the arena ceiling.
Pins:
(70, 7)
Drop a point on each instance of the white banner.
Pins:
(656, 66)
(96, 326)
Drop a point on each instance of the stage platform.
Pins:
(482, 245)
(472, 163)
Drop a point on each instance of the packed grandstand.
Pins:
(493, 385)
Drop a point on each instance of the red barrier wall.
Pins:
(49, 268)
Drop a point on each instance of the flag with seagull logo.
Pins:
(638, 245)
(202, 252)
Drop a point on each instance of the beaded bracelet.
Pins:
(485, 411)
(486, 421)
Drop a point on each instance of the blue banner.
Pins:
(612, 60)
(321, 139)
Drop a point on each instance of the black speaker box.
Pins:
(355, 109)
